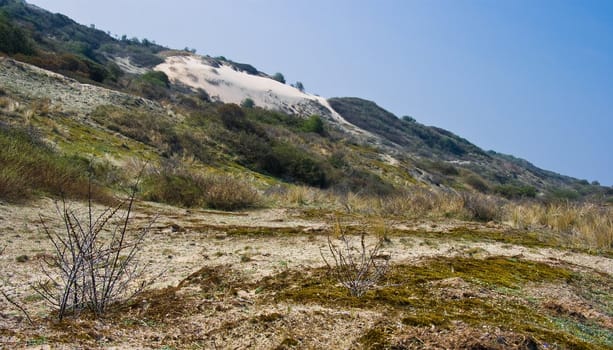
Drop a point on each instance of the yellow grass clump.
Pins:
(582, 224)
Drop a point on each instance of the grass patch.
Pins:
(30, 167)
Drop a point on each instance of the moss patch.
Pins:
(415, 296)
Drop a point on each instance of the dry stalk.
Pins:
(357, 269)
(18, 306)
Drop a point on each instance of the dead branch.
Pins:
(18, 306)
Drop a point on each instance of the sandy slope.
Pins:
(224, 83)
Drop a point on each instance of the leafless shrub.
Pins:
(88, 271)
(481, 207)
(357, 268)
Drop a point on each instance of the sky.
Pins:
(529, 78)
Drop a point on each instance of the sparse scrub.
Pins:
(182, 188)
(293, 196)
(358, 269)
(515, 191)
(94, 271)
(476, 182)
(150, 128)
(227, 193)
(420, 202)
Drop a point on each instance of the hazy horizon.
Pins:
(531, 79)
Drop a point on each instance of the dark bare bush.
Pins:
(358, 269)
(481, 207)
(94, 263)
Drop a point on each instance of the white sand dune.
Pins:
(224, 83)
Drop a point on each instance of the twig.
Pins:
(21, 308)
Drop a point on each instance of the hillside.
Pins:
(429, 154)
(243, 187)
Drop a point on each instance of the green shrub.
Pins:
(233, 118)
(153, 85)
(70, 65)
(313, 124)
(299, 86)
(248, 103)
(13, 39)
(156, 78)
(279, 77)
(296, 165)
(512, 191)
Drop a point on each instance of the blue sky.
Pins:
(528, 78)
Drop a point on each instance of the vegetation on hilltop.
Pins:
(57, 43)
(406, 133)
(454, 162)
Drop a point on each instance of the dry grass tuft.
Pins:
(581, 224)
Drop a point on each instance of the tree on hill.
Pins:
(300, 86)
(248, 103)
(12, 39)
(279, 77)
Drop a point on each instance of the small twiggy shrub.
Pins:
(360, 268)
(88, 271)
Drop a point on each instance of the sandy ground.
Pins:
(253, 245)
